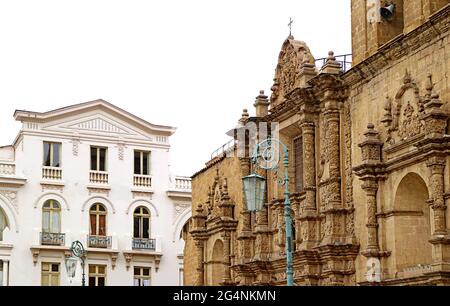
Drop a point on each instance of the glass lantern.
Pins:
(254, 191)
(71, 267)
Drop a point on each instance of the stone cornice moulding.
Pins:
(148, 204)
(51, 195)
(29, 116)
(96, 138)
(98, 199)
(154, 256)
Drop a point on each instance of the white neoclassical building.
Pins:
(97, 174)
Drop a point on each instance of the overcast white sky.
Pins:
(188, 63)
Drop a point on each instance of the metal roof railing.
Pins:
(345, 60)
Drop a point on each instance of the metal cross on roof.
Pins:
(290, 25)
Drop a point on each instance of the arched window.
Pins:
(97, 216)
(141, 223)
(51, 217)
(3, 223)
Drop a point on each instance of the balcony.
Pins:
(142, 181)
(51, 173)
(52, 238)
(7, 169)
(98, 177)
(183, 183)
(180, 188)
(103, 242)
(144, 244)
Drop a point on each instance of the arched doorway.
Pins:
(412, 223)
(217, 263)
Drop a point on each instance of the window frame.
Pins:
(51, 211)
(97, 160)
(141, 277)
(50, 273)
(141, 216)
(51, 152)
(141, 162)
(96, 275)
(98, 213)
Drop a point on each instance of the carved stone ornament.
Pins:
(179, 208)
(294, 54)
(11, 196)
(403, 117)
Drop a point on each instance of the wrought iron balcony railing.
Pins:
(52, 238)
(144, 244)
(95, 241)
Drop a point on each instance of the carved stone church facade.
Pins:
(369, 165)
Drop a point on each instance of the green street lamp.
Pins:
(267, 157)
(78, 252)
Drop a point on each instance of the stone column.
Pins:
(437, 165)
(370, 186)
(226, 238)
(5, 272)
(368, 173)
(309, 165)
(307, 216)
(334, 214)
(199, 244)
(245, 239)
(262, 235)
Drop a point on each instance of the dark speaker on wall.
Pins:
(388, 12)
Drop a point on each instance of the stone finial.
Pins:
(387, 119)
(435, 117)
(307, 69)
(275, 90)
(331, 65)
(331, 56)
(429, 86)
(244, 116)
(371, 145)
(261, 104)
(407, 78)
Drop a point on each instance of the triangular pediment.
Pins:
(97, 117)
(98, 124)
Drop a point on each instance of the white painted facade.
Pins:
(26, 184)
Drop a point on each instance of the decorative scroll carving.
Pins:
(11, 196)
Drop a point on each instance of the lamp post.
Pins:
(267, 157)
(78, 251)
